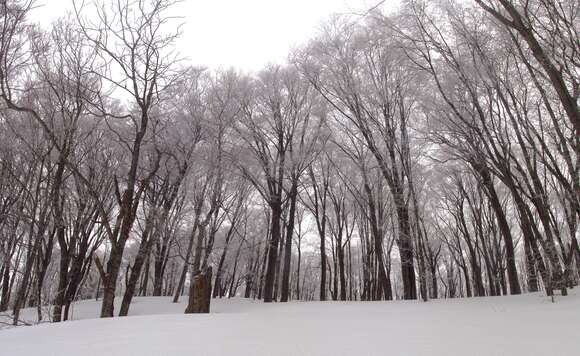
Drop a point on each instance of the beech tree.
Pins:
(140, 62)
(339, 65)
(273, 127)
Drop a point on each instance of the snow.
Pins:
(516, 325)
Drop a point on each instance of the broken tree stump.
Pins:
(200, 292)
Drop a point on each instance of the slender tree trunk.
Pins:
(5, 286)
(288, 245)
(62, 286)
(276, 215)
(504, 228)
(145, 279)
(144, 249)
(25, 281)
(298, 271)
(219, 272)
(531, 275)
(341, 269)
(323, 272)
(384, 283)
(183, 274)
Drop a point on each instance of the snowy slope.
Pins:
(520, 325)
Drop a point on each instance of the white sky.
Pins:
(246, 34)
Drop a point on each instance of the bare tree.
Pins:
(131, 39)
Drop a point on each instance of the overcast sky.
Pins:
(246, 34)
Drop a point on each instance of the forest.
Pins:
(428, 152)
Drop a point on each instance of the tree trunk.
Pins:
(272, 250)
(144, 249)
(5, 287)
(200, 298)
(181, 282)
(288, 245)
(504, 228)
(62, 285)
(219, 272)
(322, 265)
(145, 279)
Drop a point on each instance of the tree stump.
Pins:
(200, 296)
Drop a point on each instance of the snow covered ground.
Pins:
(520, 325)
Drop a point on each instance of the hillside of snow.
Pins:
(516, 325)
